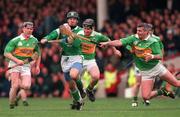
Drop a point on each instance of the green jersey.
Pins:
(154, 36)
(68, 49)
(22, 48)
(159, 40)
(88, 48)
(142, 47)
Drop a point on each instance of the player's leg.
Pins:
(25, 83)
(14, 77)
(80, 85)
(95, 74)
(136, 90)
(25, 86)
(71, 78)
(146, 89)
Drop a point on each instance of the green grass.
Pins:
(115, 107)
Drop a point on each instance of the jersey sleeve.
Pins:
(127, 41)
(10, 46)
(156, 50)
(102, 38)
(53, 35)
(37, 49)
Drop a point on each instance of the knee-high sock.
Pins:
(79, 84)
(76, 95)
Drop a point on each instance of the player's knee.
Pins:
(177, 84)
(95, 76)
(15, 86)
(26, 87)
(74, 75)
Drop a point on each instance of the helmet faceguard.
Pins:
(88, 23)
(72, 14)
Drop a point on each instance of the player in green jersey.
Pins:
(88, 51)
(136, 87)
(147, 55)
(18, 50)
(71, 60)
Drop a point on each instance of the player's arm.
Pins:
(156, 53)
(52, 36)
(122, 42)
(37, 49)
(106, 39)
(8, 52)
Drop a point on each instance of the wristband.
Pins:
(152, 57)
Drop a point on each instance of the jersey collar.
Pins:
(22, 38)
(147, 37)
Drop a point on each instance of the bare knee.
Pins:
(26, 87)
(15, 86)
(74, 74)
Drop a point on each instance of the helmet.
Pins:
(72, 14)
(88, 23)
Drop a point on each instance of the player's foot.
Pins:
(82, 93)
(134, 104)
(147, 103)
(77, 105)
(167, 93)
(16, 101)
(25, 103)
(11, 106)
(90, 95)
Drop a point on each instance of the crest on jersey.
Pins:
(20, 43)
(135, 42)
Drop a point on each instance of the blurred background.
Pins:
(114, 18)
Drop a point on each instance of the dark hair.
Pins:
(146, 26)
(27, 23)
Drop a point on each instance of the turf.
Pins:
(113, 107)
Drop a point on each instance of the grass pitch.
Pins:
(112, 107)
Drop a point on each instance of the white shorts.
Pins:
(88, 64)
(68, 61)
(158, 70)
(23, 69)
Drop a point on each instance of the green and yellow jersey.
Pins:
(140, 48)
(88, 48)
(68, 49)
(22, 48)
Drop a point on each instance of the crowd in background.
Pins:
(47, 15)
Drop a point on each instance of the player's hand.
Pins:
(103, 44)
(118, 53)
(37, 70)
(148, 57)
(43, 41)
(20, 62)
(67, 26)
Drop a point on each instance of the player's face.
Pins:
(142, 34)
(28, 30)
(87, 31)
(72, 21)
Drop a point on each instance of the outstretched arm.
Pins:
(111, 43)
